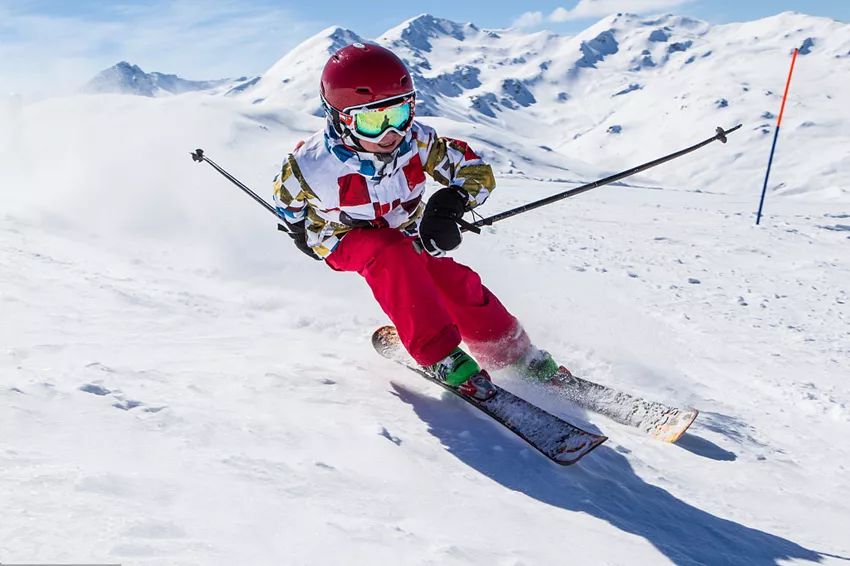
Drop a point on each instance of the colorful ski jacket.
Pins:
(334, 188)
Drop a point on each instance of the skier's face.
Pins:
(386, 145)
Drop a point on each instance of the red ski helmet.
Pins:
(364, 76)
(362, 73)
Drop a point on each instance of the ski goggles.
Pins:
(373, 121)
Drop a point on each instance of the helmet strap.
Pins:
(332, 115)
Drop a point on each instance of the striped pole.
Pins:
(776, 136)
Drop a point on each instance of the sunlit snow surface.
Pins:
(181, 386)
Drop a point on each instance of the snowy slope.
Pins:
(181, 386)
(158, 409)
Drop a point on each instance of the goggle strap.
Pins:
(381, 103)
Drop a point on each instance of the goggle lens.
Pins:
(374, 122)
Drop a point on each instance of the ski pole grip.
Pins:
(721, 133)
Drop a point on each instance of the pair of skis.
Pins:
(555, 438)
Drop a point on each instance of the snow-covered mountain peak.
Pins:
(127, 78)
(124, 78)
(315, 50)
(634, 42)
(418, 32)
(339, 37)
(294, 79)
(126, 67)
(659, 28)
(629, 19)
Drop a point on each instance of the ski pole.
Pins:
(475, 226)
(198, 156)
(776, 136)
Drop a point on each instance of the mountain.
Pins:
(460, 69)
(126, 78)
(293, 81)
(625, 90)
(621, 92)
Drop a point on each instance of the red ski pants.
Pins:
(433, 302)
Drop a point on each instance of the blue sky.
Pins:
(50, 45)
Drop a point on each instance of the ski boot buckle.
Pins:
(478, 387)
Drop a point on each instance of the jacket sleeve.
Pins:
(289, 199)
(295, 201)
(452, 162)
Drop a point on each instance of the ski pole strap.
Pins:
(720, 134)
(468, 226)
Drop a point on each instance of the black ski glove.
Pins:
(438, 230)
(298, 233)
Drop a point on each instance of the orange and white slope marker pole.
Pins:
(776, 135)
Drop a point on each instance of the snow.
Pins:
(181, 386)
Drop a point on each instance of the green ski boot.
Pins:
(537, 364)
(460, 371)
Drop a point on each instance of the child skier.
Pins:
(352, 196)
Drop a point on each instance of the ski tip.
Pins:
(385, 341)
(387, 330)
(568, 456)
(382, 334)
(674, 429)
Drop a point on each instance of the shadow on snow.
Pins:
(605, 486)
(705, 448)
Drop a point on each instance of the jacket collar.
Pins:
(367, 164)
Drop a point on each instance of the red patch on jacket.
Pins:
(459, 145)
(411, 205)
(413, 172)
(353, 190)
(382, 209)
